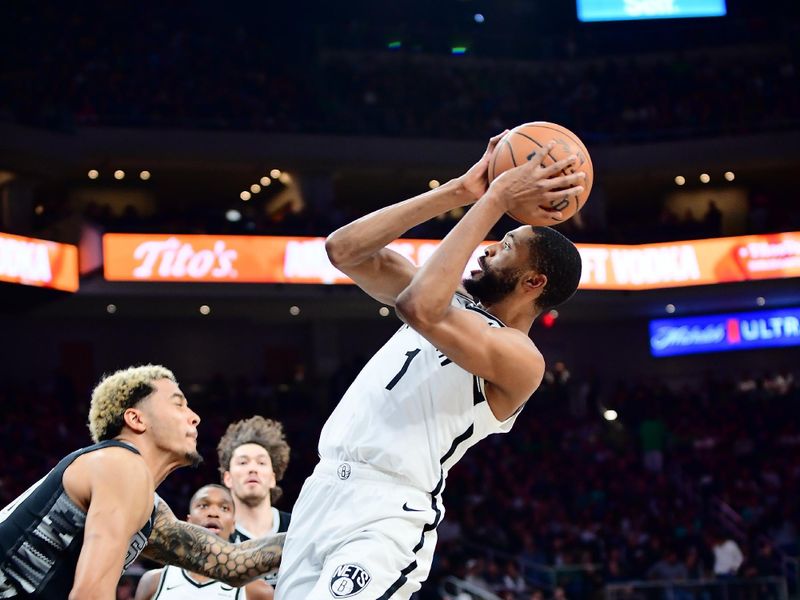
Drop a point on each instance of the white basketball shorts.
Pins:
(359, 533)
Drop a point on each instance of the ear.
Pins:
(135, 420)
(273, 480)
(534, 282)
(227, 480)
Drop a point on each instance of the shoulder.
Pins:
(107, 472)
(124, 469)
(112, 457)
(148, 584)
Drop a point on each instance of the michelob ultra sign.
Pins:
(40, 263)
(718, 333)
(265, 259)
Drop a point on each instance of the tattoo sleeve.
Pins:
(174, 542)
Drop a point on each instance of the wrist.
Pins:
(459, 187)
(494, 199)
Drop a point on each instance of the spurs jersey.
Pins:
(41, 535)
(411, 411)
(280, 524)
(177, 584)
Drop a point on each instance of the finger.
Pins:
(559, 165)
(562, 194)
(537, 158)
(555, 215)
(562, 181)
(495, 140)
(498, 137)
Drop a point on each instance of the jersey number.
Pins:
(409, 357)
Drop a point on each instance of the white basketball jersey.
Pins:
(412, 411)
(177, 584)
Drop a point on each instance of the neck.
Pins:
(257, 519)
(198, 578)
(159, 463)
(516, 315)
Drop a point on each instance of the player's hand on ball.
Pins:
(535, 191)
(476, 180)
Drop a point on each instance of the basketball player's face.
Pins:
(171, 423)
(501, 267)
(250, 476)
(212, 508)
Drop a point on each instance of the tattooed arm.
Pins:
(173, 542)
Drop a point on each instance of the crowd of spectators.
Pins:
(126, 68)
(690, 482)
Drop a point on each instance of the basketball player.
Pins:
(460, 368)
(253, 456)
(74, 531)
(211, 507)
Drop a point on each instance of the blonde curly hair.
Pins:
(118, 392)
(268, 434)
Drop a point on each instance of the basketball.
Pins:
(523, 142)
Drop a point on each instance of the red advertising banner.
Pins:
(209, 258)
(40, 263)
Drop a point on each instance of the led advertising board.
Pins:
(719, 333)
(265, 259)
(627, 10)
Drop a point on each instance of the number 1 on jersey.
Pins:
(409, 357)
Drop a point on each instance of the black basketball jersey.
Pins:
(279, 518)
(41, 535)
(282, 519)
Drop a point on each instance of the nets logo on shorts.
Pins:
(348, 580)
(343, 471)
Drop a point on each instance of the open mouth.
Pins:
(213, 528)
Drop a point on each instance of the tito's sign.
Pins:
(134, 257)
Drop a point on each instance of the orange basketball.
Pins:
(523, 142)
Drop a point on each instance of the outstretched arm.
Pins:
(359, 248)
(174, 542)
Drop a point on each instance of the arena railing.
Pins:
(757, 588)
(453, 588)
(538, 575)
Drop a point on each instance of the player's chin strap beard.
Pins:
(194, 459)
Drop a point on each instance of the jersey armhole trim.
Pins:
(161, 580)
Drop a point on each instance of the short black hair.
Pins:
(209, 485)
(557, 258)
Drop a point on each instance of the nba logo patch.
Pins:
(348, 580)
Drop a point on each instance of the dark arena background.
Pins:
(168, 173)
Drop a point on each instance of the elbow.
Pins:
(413, 310)
(336, 250)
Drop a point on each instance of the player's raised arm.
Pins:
(505, 358)
(118, 508)
(359, 248)
(174, 542)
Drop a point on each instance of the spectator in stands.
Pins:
(728, 556)
(512, 579)
(668, 568)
